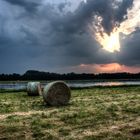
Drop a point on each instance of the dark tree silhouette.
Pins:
(38, 75)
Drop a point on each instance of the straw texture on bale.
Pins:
(34, 88)
(56, 93)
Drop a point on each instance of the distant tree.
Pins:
(38, 75)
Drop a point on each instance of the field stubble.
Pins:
(97, 113)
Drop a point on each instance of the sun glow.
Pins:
(110, 42)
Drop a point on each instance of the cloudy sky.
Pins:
(56, 35)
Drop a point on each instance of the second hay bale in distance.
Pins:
(34, 89)
(56, 93)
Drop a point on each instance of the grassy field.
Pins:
(93, 114)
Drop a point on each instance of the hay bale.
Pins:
(34, 89)
(56, 93)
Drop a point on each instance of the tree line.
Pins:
(38, 75)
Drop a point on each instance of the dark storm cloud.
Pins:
(54, 38)
(71, 32)
(27, 4)
(112, 12)
(63, 5)
(122, 10)
(130, 52)
(77, 21)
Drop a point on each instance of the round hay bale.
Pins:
(34, 89)
(56, 93)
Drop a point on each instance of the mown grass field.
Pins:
(93, 114)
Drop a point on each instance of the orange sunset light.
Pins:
(106, 68)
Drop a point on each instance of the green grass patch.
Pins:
(97, 113)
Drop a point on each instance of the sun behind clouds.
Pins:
(110, 42)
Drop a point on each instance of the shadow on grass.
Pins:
(57, 106)
(12, 90)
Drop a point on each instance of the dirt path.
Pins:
(19, 114)
(4, 116)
